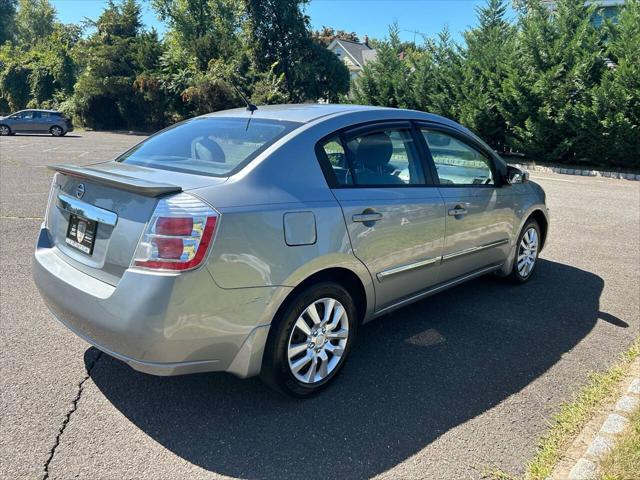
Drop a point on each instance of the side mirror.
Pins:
(515, 175)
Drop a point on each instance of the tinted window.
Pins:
(208, 146)
(385, 158)
(456, 162)
(28, 115)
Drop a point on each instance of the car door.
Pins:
(23, 121)
(479, 213)
(41, 122)
(394, 214)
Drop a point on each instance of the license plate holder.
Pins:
(81, 234)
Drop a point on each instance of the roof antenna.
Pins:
(250, 106)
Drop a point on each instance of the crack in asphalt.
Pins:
(67, 419)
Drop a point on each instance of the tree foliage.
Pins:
(547, 83)
(326, 35)
(552, 85)
(7, 20)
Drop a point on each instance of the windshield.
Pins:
(208, 145)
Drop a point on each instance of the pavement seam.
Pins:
(67, 419)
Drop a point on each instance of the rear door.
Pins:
(394, 215)
(479, 215)
(41, 122)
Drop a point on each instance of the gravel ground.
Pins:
(440, 389)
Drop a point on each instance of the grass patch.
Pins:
(574, 415)
(623, 462)
(571, 418)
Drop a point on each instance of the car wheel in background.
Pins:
(527, 250)
(56, 131)
(310, 340)
(4, 130)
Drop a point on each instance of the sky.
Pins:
(365, 17)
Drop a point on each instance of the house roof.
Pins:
(359, 52)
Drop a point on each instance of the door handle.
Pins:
(458, 211)
(367, 217)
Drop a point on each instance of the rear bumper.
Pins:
(163, 324)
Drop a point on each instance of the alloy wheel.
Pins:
(318, 340)
(527, 252)
(4, 130)
(56, 131)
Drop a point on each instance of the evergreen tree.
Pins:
(438, 74)
(611, 131)
(7, 20)
(486, 61)
(278, 33)
(388, 81)
(559, 60)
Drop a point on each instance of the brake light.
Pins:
(178, 235)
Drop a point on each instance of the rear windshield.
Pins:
(208, 146)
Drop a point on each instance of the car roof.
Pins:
(37, 110)
(305, 112)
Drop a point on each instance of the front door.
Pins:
(479, 214)
(23, 121)
(395, 218)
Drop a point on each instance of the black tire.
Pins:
(57, 131)
(276, 372)
(518, 276)
(5, 130)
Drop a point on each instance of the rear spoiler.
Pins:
(131, 184)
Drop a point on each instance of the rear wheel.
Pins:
(56, 131)
(526, 252)
(310, 341)
(4, 130)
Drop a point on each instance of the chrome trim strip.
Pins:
(438, 288)
(474, 249)
(86, 210)
(404, 268)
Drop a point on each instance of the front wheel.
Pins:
(4, 130)
(526, 256)
(310, 340)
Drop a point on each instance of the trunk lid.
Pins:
(120, 199)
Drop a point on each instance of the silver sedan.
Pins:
(257, 242)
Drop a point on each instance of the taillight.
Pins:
(178, 235)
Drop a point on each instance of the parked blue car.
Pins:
(36, 121)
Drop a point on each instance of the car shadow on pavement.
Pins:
(412, 376)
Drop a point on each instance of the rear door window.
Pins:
(208, 146)
(334, 155)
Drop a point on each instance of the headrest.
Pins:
(205, 148)
(374, 151)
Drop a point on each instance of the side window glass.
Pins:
(334, 153)
(385, 158)
(27, 115)
(456, 162)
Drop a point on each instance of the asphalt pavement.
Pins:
(444, 388)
